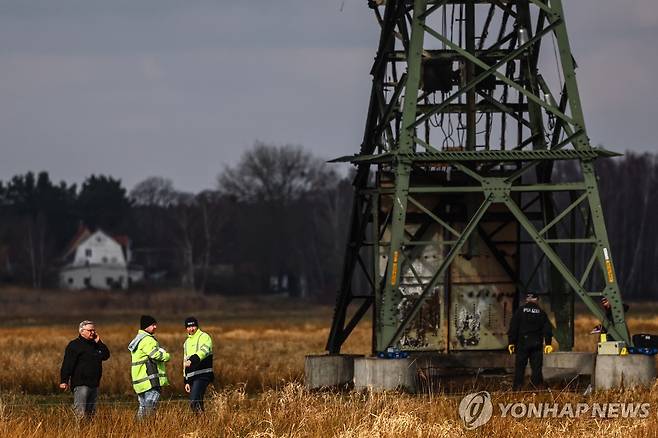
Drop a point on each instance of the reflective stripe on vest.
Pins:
(203, 371)
(149, 377)
(141, 362)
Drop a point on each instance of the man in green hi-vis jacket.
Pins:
(147, 369)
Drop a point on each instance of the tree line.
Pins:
(276, 221)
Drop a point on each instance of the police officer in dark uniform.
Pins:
(529, 331)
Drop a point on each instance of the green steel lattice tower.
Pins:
(459, 205)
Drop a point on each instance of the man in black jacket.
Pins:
(82, 368)
(529, 331)
(197, 363)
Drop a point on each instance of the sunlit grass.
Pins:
(259, 362)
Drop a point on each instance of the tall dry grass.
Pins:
(291, 411)
(257, 355)
(260, 348)
(259, 342)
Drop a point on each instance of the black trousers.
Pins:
(535, 355)
(197, 391)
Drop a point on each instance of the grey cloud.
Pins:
(135, 26)
(180, 88)
(131, 116)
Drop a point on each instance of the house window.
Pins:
(104, 259)
(98, 239)
(70, 280)
(109, 281)
(88, 252)
(87, 281)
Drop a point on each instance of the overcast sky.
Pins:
(180, 88)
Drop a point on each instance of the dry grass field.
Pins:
(260, 348)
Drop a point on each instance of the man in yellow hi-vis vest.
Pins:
(197, 363)
(147, 369)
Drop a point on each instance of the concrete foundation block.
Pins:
(385, 374)
(465, 360)
(570, 362)
(628, 371)
(324, 371)
(558, 374)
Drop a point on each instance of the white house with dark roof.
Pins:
(96, 260)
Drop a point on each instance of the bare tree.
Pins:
(154, 191)
(288, 203)
(271, 173)
(183, 218)
(211, 217)
(191, 222)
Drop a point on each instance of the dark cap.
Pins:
(191, 321)
(146, 321)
